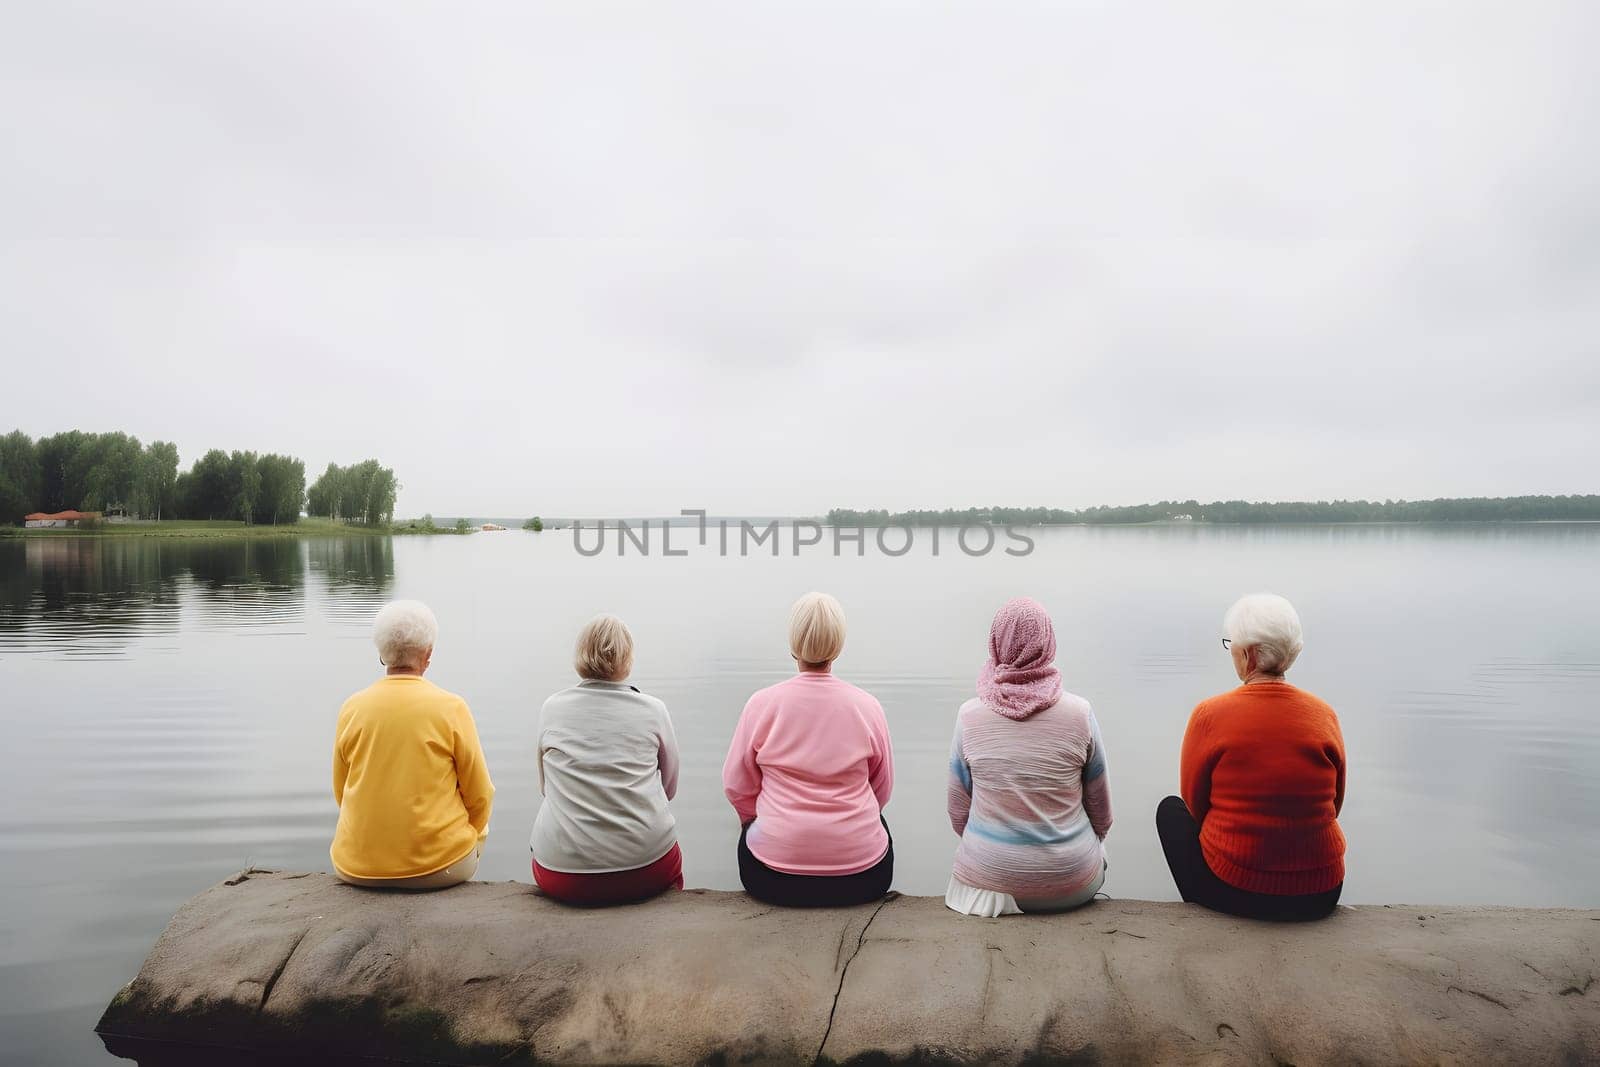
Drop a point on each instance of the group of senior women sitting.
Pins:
(811, 767)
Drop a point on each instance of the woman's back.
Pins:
(608, 765)
(1030, 799)
(410, 780)
(1263, 772)
(811, 763)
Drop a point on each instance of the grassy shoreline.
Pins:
(230, 529)
(219, 529)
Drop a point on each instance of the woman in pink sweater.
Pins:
(809, 772)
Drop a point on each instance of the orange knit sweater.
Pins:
(1263, 774)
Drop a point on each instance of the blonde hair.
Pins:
(1270, 624)
(605, 650)
(404, 631)
(816, 629)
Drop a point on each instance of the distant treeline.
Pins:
(1448, 509)
(364, 492)
(109, 472)
(85, 471)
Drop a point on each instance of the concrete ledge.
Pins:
(299, 966)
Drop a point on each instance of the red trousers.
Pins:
(614, 887)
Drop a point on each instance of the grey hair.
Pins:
(605, 650)
(1268, 623)
(404, 631)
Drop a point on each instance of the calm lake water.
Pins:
(169, 705)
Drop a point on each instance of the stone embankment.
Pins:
(300, 968)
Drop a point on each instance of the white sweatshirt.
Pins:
(608, 764)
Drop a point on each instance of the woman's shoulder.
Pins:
(865, 704)
(366, 695)
(972, 708)
(1305, 694)
(768, 695)
(559, 699)
(1218, 704)
(1068, 706)
(1314, 704)
(810, 686)
(648, 700)
(610, 694)
(1072, 704)
(1238, 696)
(855, 691)
(446, 698)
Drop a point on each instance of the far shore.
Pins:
(224, 528)
(195, 529)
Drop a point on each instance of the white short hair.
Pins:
(605, 650)
(403, 631)
(816, 629)
(1268, 623)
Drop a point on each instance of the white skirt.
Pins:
(987, 904)
(984, 903)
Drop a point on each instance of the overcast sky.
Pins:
(594, 259)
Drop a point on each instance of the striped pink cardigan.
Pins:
(1030, 799)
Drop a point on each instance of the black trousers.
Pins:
(1198, 884)
(814, 890)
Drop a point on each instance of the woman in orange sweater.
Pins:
(1256, 832)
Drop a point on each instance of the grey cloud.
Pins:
(624, 257)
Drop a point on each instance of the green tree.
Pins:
(156, 492)
(53, 452)
(365, 492)
(88, 470)
(381, 495)
(535, 524)
(323, 497)
(244, 486)
(283, 488)
(208, 490)
(463, 526)
(183, 495)
(20, 481)
(103, 471)
(84, 481)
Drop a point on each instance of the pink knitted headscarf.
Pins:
(1020, 677)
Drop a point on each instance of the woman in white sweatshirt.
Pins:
(608, 765)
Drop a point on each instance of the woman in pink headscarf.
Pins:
(1028, 790)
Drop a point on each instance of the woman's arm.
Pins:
(341, 772)
(1096, 783)
(880, 764)
(341, 766)
(1337, 756)
(741, 774)
(472, 773)
(1194, 766)
(667, 754)
(538, 747)
(958, 792)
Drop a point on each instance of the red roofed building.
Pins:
(60, 518)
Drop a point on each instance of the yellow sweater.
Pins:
(410, 780)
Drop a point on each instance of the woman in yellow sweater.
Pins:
(408, 772)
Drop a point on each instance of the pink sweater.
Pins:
(1030, 798)
(811, 764)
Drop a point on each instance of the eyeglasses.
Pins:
(1227, 642)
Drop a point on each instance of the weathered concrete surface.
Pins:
(302, 966)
